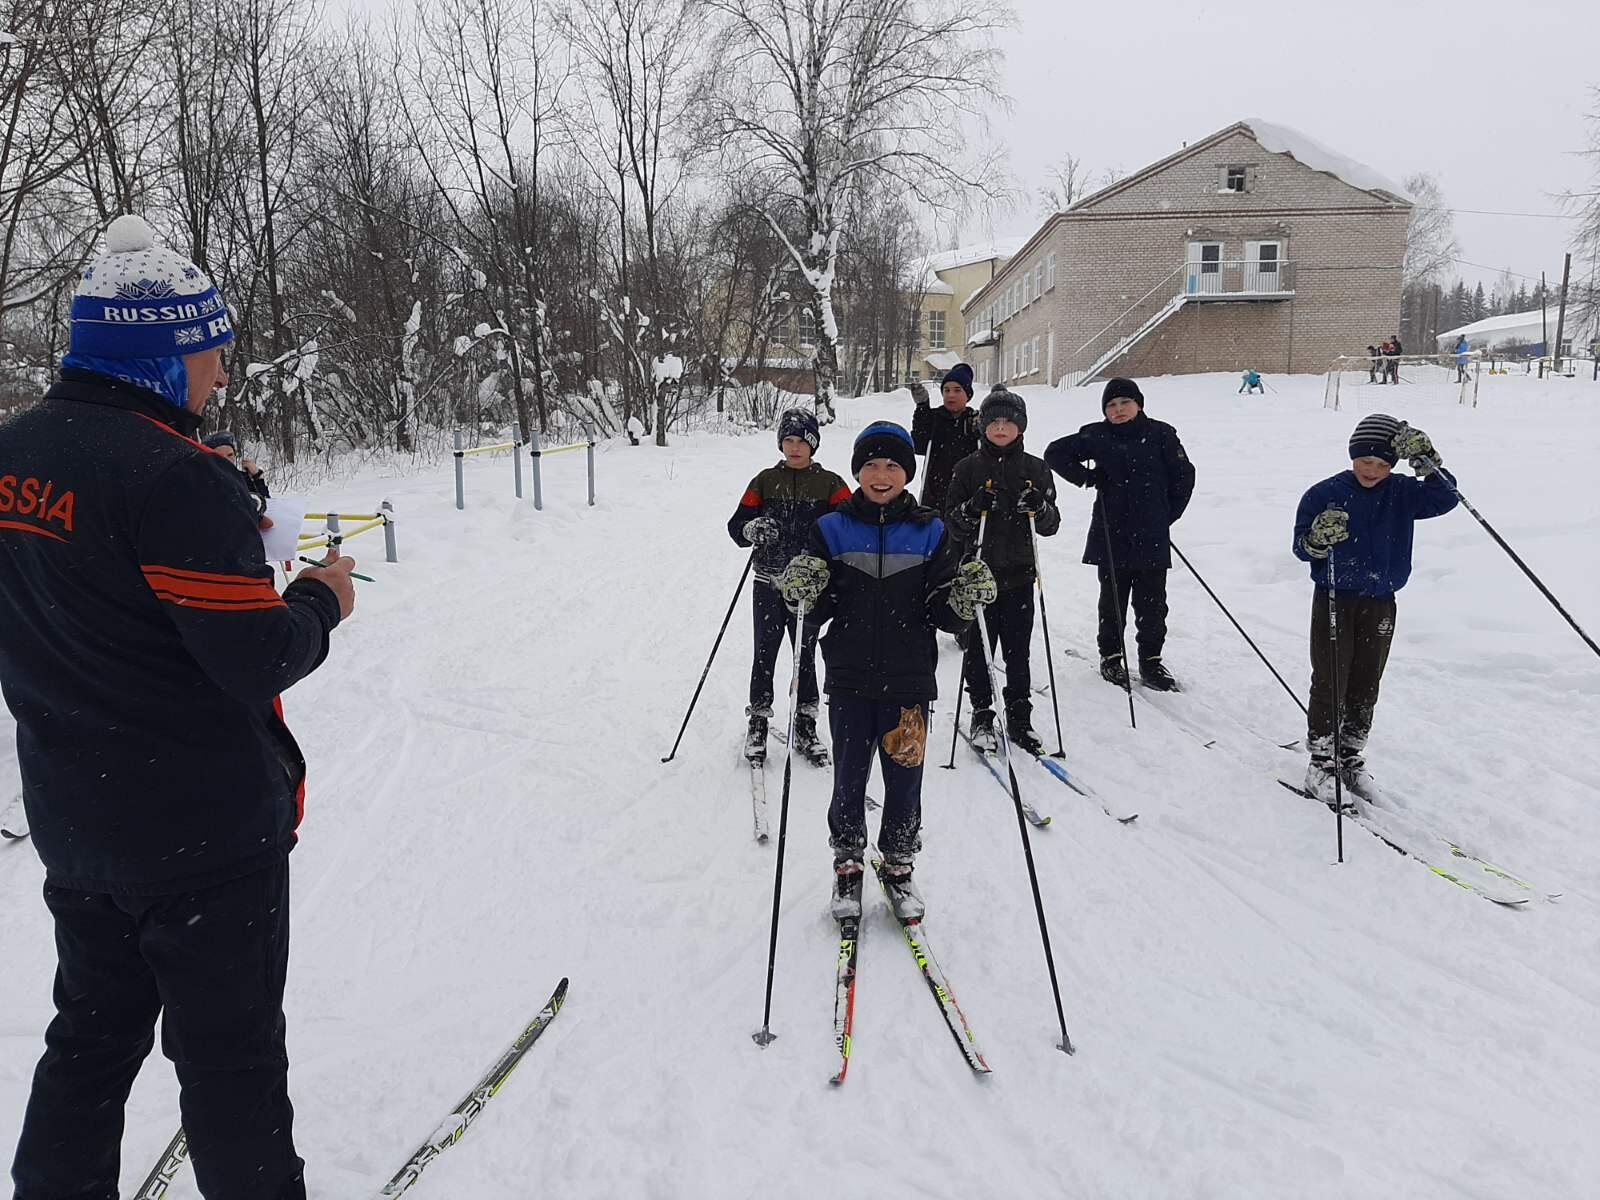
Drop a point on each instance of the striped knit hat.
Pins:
(1374, 438)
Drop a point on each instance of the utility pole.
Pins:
(1544, 321)
(1561, 312)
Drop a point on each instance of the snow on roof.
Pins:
(1280, 139)
(941, 360)
(962, 256)
(1498, 324)
(932, 285)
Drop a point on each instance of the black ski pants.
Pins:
(211, 963)
(1010, 622)
(897, 734)
(772, 620)
(1148, 589)
(1366, 630)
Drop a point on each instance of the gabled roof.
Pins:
(1519, 320)
(1274, 139)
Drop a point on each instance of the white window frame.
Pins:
(1225, 185)
(1050, 271)
(1035, 355)
(937, 333)
(802, 318)
(1038, 280)
(1255, 274)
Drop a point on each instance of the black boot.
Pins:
(1019, 728)
(755, 738)
(1114, 670)
(1156, 677)
(805, 737)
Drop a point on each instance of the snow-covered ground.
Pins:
(488, 812)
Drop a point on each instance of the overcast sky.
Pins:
(1489, 97)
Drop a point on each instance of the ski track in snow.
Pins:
(487, 812)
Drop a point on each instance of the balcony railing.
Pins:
(1233, 278)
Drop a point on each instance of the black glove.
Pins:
(762, 531)
(985, 499)
(919, 393)
(1032, 502)
(1096, 478)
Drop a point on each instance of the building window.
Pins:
(1236, 179)
(1033, 355)
(1050, 271)
(936, 330)
(1038, 280)
(808, 327)
(1204, 274)
(1262, 266)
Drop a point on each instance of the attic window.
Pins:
(1236, 179)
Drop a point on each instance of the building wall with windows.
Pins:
(1280, 266)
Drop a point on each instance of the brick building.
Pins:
(1253, 247)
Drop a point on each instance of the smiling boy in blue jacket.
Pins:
(1356, 530)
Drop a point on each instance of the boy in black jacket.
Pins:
(774, 516)
(946, 434)
(1144, 480)
(1016, 490)
(884, 572)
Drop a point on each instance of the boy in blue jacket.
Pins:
(882, 572)
(1356, 529)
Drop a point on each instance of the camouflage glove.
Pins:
(803, 581)
(1416, 446)
(919, 391)
(762, 531)
(1330, 527)
(974, 585)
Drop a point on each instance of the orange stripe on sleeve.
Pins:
(204, 576)
(221, 605)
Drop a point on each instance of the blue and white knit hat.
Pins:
(141, 300)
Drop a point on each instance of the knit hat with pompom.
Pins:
(142, 300)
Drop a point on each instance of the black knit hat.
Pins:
(1374, 438)
(961, 374)
(1002, 405)
(798, 422)
(1121, 389)
(884, 439)
(220, 439)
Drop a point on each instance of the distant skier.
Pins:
(1357, 527)
(1395, 351)
(1015, 488)
(1250, 383)
(1463, 352)
(774, 516)
(946, 434)
(1373, 363)
(882, 573)
(1144, 479)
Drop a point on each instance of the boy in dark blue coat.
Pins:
(1144, 480)
(1356, 529)
(882, 573)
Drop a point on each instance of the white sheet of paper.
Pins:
(282, 540)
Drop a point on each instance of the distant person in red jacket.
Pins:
(142, 650)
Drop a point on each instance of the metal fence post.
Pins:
(461, 483)
(591, 467)
(391, 550)
(538, 480)
(516, 459)
(334, 538)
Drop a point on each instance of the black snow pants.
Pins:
(211, 963)
(1366, 630)
(1010, 622)
(897, 733)
(772, 620)
(1148, 588)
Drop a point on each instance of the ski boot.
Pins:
(1113, 669)
(982, 731)
(847, 875)
(1156, 677)
(1321, 777)
(902, 890)
(805, 737)
(755, 738)
(1019, 728)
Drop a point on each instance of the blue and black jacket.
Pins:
(1376, 559)
(890, 570)
(143, 646)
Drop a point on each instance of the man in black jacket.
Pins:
(142, 650)
(946, 434)
(224, 443)
(1017, 492)
(1144, 481)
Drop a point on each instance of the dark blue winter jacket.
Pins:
(1376, 559)
(890, 570)
(143, 646)
(1144, 481)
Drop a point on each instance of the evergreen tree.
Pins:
(1480, 306)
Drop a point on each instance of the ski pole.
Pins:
(749, 562)
(955, 731)
(1433, 465)
(1239, 627)
(764, 1037)
(1022, 821)
(1338, 708)
(1116, 605)
(1044, 616)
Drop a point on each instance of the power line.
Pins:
(1495, 212)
